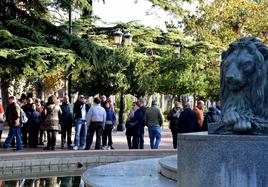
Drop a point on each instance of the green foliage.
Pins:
(33, 61)
(222, 22)
(31, 46)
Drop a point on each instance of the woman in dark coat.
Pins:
(132, 131)
(34, 119)
(51, 123)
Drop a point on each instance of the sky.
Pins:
(128, 10)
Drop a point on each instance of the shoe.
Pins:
(75, 148)
(104, 148)
(47, 149)
(111, 147)
(20, 150)
(69, 147)
(52, 148)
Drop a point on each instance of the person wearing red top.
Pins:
(199, 112)
(1, 119)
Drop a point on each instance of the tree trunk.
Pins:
(4, 91)
(162, 102)
(120, 126)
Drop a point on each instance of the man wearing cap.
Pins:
(153, 120)
(13, 121)
(80, 111)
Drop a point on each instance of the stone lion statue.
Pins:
(244, 87)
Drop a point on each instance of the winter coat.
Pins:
(77, 109)
(13, 114)
(34, 118)
(200, 116)
(138, 119)
(67, 114)
(153, 117)
(53, 113)
(110, 118)
(173, 120)
(210, 117)
(188, 121)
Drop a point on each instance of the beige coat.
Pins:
(53, 113)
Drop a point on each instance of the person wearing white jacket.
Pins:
(95, 119)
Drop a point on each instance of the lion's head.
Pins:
(244, 83)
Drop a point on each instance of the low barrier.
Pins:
(18, 165)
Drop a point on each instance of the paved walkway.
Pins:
(119, 140)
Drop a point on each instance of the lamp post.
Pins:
(70, 68)
(118, 38)
(178, 47)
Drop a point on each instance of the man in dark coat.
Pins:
(80, 111)
(66, 122)
(140, 118)
(173, 117)
(210, 117)
(13, 121)
(188, 120)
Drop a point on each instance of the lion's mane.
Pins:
(251, 101)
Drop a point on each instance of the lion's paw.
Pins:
(242, 125)
(231, 118)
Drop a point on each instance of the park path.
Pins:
(119, 141)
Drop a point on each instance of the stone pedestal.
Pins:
(222, 160)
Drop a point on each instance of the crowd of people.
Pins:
(183, 119)
(45, 120)
(34, 122)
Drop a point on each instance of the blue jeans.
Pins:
(80, 133)
(13, 131)
(155, 136)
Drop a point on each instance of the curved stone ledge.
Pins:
(133, 173)
(168, 167)
(13, 165)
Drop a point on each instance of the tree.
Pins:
(28, 35)
(222, 22)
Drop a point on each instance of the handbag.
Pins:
(109, 124)
(23, 117)
(130, 125)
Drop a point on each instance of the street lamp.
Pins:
(178, 47)
(118, 38)
(127, 39)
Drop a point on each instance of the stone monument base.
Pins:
(222, 160)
